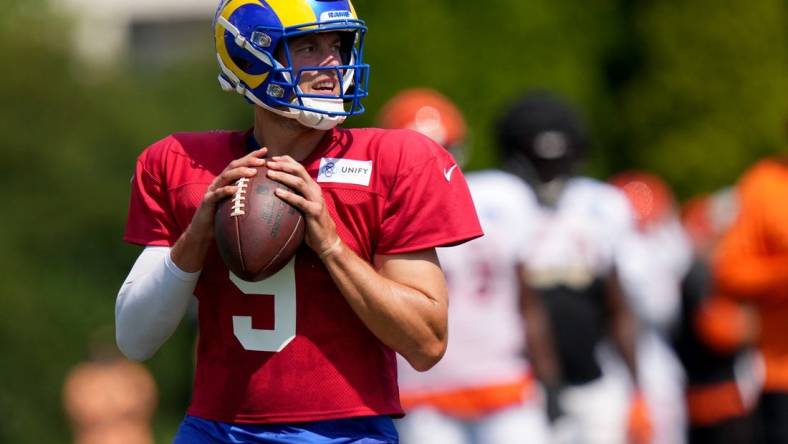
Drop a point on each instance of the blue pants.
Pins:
(362, 430)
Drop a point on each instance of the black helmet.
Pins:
(540, 135)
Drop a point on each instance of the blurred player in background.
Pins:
(652, 263)
(751, 263)
(430, 113)
(482, 391)
(308, 355)
(573, 300)
(715, 338)
(109, 399)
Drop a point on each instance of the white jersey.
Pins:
(579, 238)
(651, 265)
(486, 333)
(576, 242)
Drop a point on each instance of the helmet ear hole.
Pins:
(241, 63)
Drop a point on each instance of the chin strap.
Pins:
(317, 120)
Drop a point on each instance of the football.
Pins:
(256, 232)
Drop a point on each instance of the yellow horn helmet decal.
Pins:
(252, 81)
(293, 12)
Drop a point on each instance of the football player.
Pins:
(482, 391)
(717, 335)
(574, 304)
(366, 283)
(750, 265)
(109, 399)
(652, 263)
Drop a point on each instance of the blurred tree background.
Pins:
(694, 91)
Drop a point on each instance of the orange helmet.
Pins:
(649, 195)
(428, 112)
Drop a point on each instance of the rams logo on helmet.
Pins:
(250, 33)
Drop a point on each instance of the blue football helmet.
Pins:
(250, 33)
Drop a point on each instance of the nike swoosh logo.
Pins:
(447, 173)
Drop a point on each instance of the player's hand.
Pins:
(639, 430)
(306, 195)
(223, 186)
(189, 251)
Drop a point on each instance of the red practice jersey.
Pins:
(289, 348)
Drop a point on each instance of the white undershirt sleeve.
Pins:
(151, 303)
